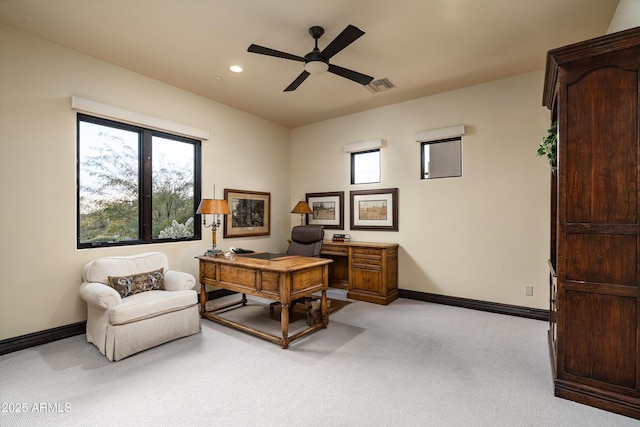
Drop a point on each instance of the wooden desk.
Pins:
(282, 280)
(369, 271)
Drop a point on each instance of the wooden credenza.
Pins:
(368, 271)
(592, 89)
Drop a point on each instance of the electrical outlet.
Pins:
(529, 291)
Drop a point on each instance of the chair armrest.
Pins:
(100, 295)
(178, 281)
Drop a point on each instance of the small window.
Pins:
(441, 158)
(135, 185)
(365, 167)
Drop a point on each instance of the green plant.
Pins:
(177, 230)
(549, 145)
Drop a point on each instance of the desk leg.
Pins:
(284, 323)
(323, 309)
(203, 299)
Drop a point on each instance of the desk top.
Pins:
(283, 264)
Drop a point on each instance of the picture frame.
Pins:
(374, 209)
(250, 213)
(328, 209)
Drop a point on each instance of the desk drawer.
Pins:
(329, 249)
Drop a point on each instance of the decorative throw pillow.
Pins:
(141, 282)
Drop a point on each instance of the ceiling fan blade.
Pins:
(363, 79)
(254, 48)
(344, 39)
(297, 82)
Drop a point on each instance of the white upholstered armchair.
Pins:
(147, 315)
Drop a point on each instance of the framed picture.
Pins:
(374, 210)
(328, 209)
(250, 213)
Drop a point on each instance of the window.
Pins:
(441, 158)
(441, 152)
(365, 167)
(135, 185)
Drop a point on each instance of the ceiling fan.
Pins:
(316, 62)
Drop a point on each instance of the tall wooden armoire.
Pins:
(592, 91)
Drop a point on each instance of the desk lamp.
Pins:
(302, 208)
(215, 207)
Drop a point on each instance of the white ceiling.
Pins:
(423, 46)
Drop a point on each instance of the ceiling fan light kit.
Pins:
(316, 67)
(316, 61)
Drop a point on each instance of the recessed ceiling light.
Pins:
(236, 68)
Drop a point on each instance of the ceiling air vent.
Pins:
(380, 85)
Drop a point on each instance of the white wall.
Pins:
(627, 15)
(483, 236)
(40, 267)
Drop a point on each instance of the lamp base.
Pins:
(214, 252)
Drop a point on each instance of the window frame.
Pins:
(145, 182)
(354, 154)
(424, 144)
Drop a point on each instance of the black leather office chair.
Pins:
(306, 240)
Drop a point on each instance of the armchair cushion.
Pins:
(151, 304)
(142, 282)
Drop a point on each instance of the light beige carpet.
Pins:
(406, 364)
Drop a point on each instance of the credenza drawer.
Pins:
(367, 252)
(366, 281)
(329, 249)
(366, 263)
(370, 259)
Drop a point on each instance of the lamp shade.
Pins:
(302, 208)
(213, 206)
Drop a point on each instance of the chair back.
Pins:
(306, 240)
(99, 269)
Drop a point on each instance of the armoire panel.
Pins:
(602, 150)
(601, 329)
(602, 258)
